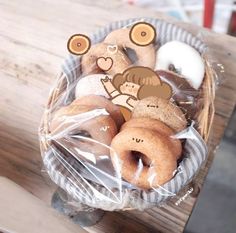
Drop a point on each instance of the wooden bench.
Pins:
(33, 36)
(21, 212)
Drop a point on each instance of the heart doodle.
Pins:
(112, 49)
(104, 63)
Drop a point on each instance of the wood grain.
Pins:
(33, 36)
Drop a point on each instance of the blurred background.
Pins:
(215, 211)
(219, 15)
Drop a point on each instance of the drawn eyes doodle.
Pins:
(138, 140)
(152, 106)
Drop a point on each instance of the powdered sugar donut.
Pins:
(184, 59)
(91, 84)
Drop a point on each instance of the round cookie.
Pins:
(156, 125)
(78, 44)
(154, 146)
(91, 84)
(102, 102)
(120, 61)
(145, 55)
(142, 34)
(101, 129)
(162, 110)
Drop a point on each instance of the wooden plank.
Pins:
(24, 213)
(30, 57)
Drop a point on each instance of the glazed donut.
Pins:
(102, 102)
(186, 97)
(91, 84)
(145, 54)
(183, 59)
(162, 110)
(78, 44)
(142, 34)
(120, 61)
(153, 145)
(100, 128)
(156, 125)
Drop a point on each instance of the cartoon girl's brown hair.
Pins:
(163, 91)
(138, 75)
(149, 81)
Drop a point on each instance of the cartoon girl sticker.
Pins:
(132, 85)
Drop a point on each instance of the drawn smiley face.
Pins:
(152, 106)
(137, 140)
(129, 88)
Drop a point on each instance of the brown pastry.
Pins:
(186, 97)
(154, 146)
(162, 110)
(158, 126)
(104, 58)
(102, 102)
(101, 129)
(145, 55)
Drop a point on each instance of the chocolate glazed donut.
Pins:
(187, 98)
(153, 145)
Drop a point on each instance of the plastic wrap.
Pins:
(127, 122)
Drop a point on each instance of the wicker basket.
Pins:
(167, 33)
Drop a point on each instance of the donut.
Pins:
(145, 56)
(78, 44)
(120, 61)
(101, 102)
(100, 128)
(156, 125)
(91, 84)
(183, 59)
(154, 146)
(162, 110)
(142, 34)
(186, 97)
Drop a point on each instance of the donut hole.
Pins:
(131, 54)
(172, 68)
(82, 133)
(137, 156)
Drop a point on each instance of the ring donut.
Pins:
(89, 64)
(91, 84)
(102, 102)
(162, 110)
(142, 34)
(100, 128)
(186, 97)
(156, 125)
(145, 55)
(183, 59)
(78, 44)
(154, 146)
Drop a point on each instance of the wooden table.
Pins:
(33, 36)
